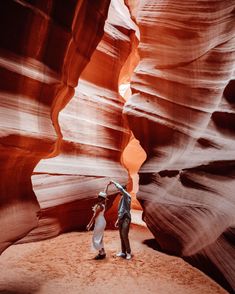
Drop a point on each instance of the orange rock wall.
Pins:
(183, 115)
(181, 110)
(94, 137)
(42, 55)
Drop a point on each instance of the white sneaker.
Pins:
(128, 256)
(120, 254)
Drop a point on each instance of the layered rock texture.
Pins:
(43, 51)
(181, 109)
(182, 112)
(94, 137)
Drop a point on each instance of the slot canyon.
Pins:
(141, 92)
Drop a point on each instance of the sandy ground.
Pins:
(65, 265)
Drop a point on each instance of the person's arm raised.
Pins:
(125, 194)
(120, 188)
(106, 188)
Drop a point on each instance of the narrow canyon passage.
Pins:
(141, 92)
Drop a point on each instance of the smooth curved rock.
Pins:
(94, 137)
(42, 55)
(186, 126)
(182, 112)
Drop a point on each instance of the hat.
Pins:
(102, 194)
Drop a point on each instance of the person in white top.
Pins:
(100, 224)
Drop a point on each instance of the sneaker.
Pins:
(128, 256)
(121, 254)
(100, 256)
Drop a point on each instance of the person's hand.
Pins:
(116, 224)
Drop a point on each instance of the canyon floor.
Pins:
(65, 264)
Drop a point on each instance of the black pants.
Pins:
(124, 226)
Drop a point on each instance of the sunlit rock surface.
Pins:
(181, 111)
(94, 137)
(184, 117)
(43, 51)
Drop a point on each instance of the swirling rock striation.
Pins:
(42, 55)
(182, 112)
(94, 136)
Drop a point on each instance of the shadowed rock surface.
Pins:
(42, 55)
(182, 112)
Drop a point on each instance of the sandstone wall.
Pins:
(94, 137)
(43, 52)
(182, 112)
